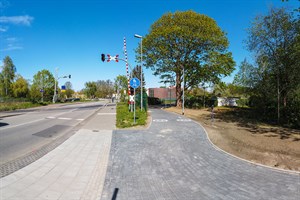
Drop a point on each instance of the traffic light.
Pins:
(103, 57)
(70, 76)
(131, 91)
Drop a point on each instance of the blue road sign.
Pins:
(135, 82)
(63, 87)
(41, 90)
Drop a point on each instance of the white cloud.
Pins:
(11, 47)
(11, 43)
(3, 29)
(12, 39)
(20, 20)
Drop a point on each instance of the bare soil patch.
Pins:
(261, 143)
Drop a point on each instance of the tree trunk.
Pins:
(178, 90)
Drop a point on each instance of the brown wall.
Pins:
(162, 93)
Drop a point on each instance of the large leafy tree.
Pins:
(121, 86)
(90, 89)
(104, 88)
(190, 42)
(43, 86)
(20, 87)
(274, 39)
(7, 76)
(69, 89)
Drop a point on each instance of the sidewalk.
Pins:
(74, 170)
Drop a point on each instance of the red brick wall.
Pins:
(162, 93)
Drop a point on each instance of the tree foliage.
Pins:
(90, 89)
(105, 88)
(190, 41)
(99, 89)
(7, 76)
(121, 86)
(69, 89)
(20, 87)
(275, 41)
(43, 86)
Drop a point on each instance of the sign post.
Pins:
(134, 83)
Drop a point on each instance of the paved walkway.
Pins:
(173, 160)
(74, 170)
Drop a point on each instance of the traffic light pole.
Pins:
(55, 84)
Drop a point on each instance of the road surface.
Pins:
(26, 135)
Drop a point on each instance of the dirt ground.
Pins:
(265, 144)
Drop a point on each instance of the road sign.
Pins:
(41, 90)
(135, 82)
(131, 98)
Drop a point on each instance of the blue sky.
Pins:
(72, 34)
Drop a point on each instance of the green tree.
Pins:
(20, 87)
(274, 39)
(69, 89)
(7, 76)
(43, 86)
(190, 41)
(90, 89)
(104, 88)
(246, 76)
(121, 86)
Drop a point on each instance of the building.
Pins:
(227, 101)
(168, 93)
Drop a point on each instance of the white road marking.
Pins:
(50, 117)
(183, 120)
(106, 113)
(160, 120)
(64, 118)
(21, 124)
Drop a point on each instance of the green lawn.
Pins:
(7, 106)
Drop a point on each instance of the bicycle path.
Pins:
(174, 160)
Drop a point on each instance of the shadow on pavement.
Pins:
(3, 124)
(114, 197)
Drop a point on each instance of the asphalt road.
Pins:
(174, 160)
(23, 134)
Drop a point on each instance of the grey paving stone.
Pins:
(174, 160)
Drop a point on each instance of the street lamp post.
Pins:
(138, 36)
(55, 83)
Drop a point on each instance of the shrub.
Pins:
(125, 118)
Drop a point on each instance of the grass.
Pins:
(125, 118)
(19, 105)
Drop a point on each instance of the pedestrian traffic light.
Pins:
(103, 57)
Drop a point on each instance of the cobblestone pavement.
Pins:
(173, 159)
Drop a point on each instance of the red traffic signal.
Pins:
(103, 57)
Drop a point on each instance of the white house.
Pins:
(227, 101)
